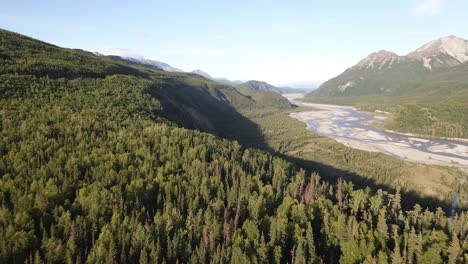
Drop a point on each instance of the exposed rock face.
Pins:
(387, 73)
(378, 60)
(450, 50)
(442, 52)
(343, 87)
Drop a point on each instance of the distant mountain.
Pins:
(305, 85)
(227, 81)
(219, 80)
(444, 52)
(255, 86)
(290, 90)
(161, 65)
(140, 60)
(202, 73)
(386, 73)
(250, 86)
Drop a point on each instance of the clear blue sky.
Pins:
(281, 42)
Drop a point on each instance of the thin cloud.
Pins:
(430, 7)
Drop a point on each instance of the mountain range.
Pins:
(386, 73)
(245, 87)
(251, 86)
(260, 92)
(141, 60)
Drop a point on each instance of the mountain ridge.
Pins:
(430, 53)
(427, 89)
(387, 73)
(161, 65)
(451, 45)
(255, 86)
(202, 73)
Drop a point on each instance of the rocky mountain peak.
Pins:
(379, 59)
(384, 53)
(386, 73)
(456, 48)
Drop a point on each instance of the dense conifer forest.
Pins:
(107, 162)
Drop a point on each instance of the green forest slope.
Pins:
(95, 168)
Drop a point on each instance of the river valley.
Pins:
(352, 128)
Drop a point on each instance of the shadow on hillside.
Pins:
(331, 174)
(200, 107)
(195, 107)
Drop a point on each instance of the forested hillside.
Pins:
(96, 167)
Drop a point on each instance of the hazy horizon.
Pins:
(286, 44)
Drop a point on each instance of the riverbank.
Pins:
(351, 128)
(290, 138)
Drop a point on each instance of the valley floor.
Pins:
(352, 128)
(429, 185)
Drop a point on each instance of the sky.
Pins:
(295, 43)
